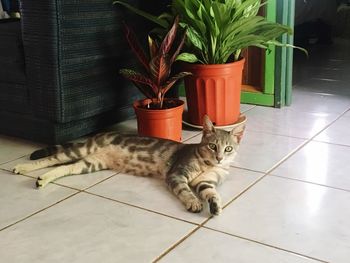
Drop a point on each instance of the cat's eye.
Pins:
(228, 149)
(212, 146)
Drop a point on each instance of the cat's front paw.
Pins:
(22, 168)
(194, 205)
(214, 206)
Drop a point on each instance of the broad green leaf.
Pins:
(187, 57)
(194, 37)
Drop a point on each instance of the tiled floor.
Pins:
(287, 198)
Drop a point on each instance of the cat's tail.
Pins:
(52, 150)
(77, 150)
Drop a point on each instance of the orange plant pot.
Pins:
(214, 90)
(164, 123)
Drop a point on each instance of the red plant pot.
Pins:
(161, 123)
(214, 90)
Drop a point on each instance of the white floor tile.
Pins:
(188, 132)
(12, 148)
(287, 122)
(86, 228)
(338, 88)
(320, 163)
(307, 101)
(210, 246)
(19, 198)
(338, 132)
(153, 194)
(261, 151)
(308, 219)
(347, 114)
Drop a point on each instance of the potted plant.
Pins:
(217, 32)
(157, 116)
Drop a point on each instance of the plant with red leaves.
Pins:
(157, 79)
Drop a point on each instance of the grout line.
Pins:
(243, 192)
(39, 211)
(167, 251)
(142, 208)
(247, 169)
(79, 189)
(191, 137)
(265, 244)
(182, 239)
(253, 107)
(202, 224)
(313, 183)
(88, 187)
(307, 141)
(12, 160)
(331, 143)
(278, 134)
(268, 172)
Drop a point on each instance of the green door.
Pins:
(275, 84)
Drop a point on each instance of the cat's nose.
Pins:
(219, 158)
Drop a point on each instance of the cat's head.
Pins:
(221, 146)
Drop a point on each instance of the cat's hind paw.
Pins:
(194, 205)
(40, 183)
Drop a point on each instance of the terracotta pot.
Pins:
(164, 123)
(214, 90)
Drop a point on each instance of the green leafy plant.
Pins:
(218, 30)
(157, 78)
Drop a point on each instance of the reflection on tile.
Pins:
(337, 133)
(307, 101)
(19, 197)
(86, 228)
(80, 181)
(308, 219)
(287, 122)
(320, 163)
(153, 194)
(12, 148)
(210, 246)
(261, 151)
(338, 88)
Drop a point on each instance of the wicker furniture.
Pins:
(59, 70)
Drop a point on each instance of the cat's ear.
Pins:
(238, 131)
(208, 127)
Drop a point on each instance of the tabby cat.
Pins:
(191, 171)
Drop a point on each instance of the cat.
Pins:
(191, 171)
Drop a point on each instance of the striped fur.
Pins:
(191, 171)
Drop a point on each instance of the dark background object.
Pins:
(59, 69)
